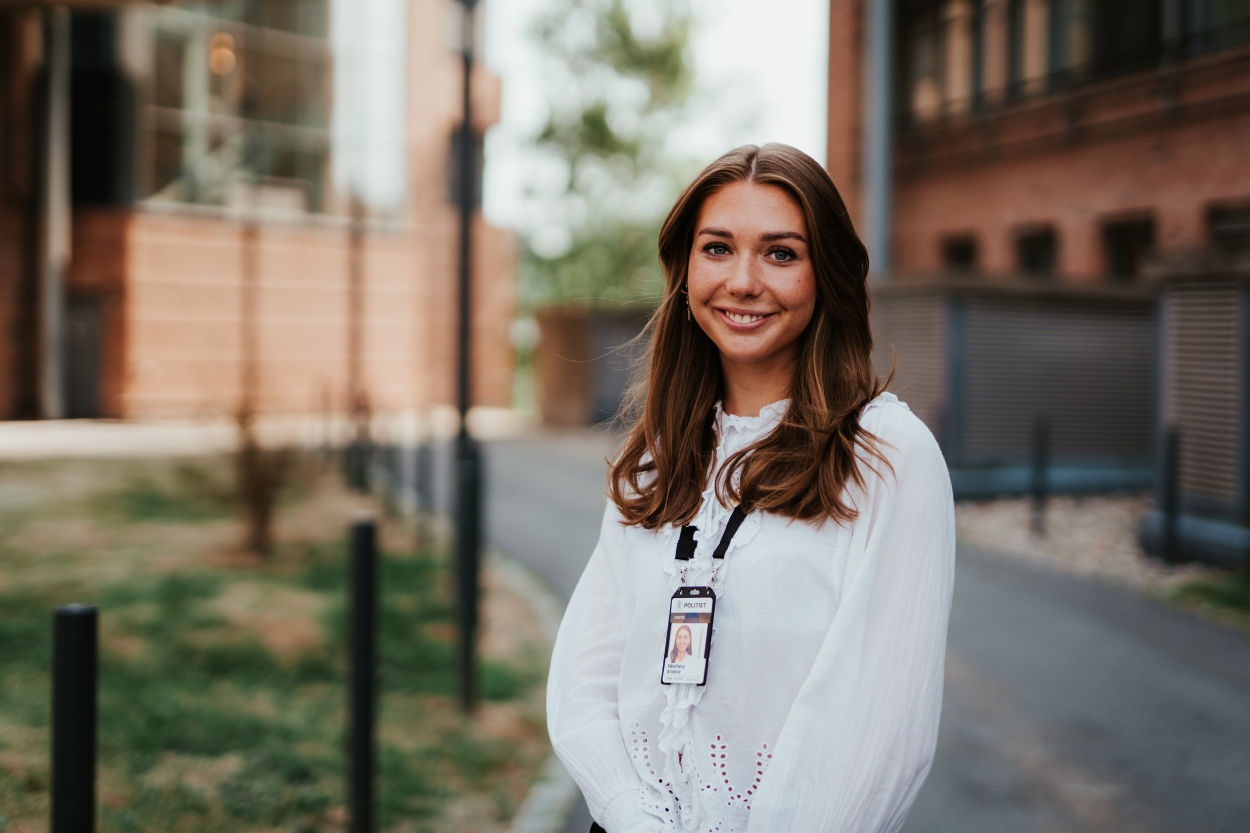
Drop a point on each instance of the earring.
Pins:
(688, 316)
(685, 290)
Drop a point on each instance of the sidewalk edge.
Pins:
(551, 797)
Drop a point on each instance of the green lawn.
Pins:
(222, 696)
(1226, 596)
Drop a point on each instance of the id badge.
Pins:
(689, 637)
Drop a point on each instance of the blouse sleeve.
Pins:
(582, 714)
(859, 739)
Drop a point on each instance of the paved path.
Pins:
(1071, 707)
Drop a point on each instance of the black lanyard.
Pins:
(686, 542)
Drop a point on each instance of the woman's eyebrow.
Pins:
(767, 237)
(783, 235)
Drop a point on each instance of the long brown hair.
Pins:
(801, 469)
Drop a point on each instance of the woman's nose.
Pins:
(745, 279)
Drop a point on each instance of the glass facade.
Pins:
(278, 104)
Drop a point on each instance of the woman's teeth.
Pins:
(743, 318)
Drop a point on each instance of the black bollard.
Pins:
(362, 696)
(1170, 497)
(1040, 463)
(468, 544)
(75, 634)
(423, 477)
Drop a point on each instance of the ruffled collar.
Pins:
(748, 428)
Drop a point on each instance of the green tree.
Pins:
(619, 77)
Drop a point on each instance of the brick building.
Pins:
(201, 199)
(1053, 140)
(1056, 196)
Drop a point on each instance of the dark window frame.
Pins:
(1037, 251)
(1128, 241)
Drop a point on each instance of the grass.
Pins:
(1227, 596)
(222, 698)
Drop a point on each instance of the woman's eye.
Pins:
(782, 255)
(716, 249)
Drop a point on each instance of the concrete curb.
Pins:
(550, 800)
(36, 439)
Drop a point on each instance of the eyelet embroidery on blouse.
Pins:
(658, 797)
(717, 791)
(718, 752)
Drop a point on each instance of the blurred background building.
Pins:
(209, 206)
(1068, 236)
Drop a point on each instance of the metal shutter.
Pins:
(914, 327)
(1087, 365)
(1202, 374)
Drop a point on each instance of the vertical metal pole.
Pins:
(1040, 464)
(1170, 495)
(468, 456)
(55, 214)
(74, 664)
(878, 138)
(363, 697)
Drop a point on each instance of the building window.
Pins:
(1126, 244)
(1126, 35)
(1212, 24)
(1037, 252)
(959, 253)
(922, 54)
(239, 104)
(1015, 46)
(278, 105)
(1228, 227)
(1069, 42)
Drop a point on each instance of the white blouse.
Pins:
(824, 688)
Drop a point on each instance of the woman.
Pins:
(681, 644)
(767, 473)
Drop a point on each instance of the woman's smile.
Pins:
(747, 319)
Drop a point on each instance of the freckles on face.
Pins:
(751, 283)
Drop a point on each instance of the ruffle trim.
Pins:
(676, 738)
(767, 419)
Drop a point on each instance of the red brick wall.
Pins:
(183, 318)
(98, 269)
(845, 74)
(1171, 172)
(1123, 148)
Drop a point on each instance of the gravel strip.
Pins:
(1087, 536)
